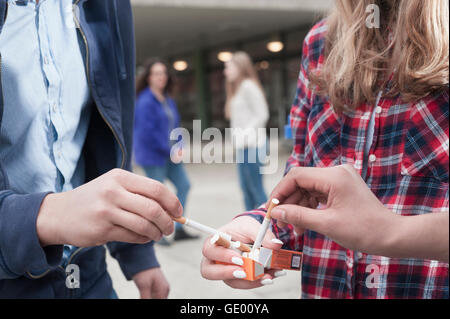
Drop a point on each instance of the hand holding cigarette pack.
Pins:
(256, 258)
(256, 261)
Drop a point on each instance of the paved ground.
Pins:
(214, 200)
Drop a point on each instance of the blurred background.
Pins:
(196, 37)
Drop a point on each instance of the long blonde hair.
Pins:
(412, 43)
(246, 71)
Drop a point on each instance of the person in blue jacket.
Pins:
(67, 100)
(155, 118)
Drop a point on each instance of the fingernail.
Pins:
(180, 210)
(214, 239)
(277, 241)
(240, 274)
(237, 261)
(280, 273)
(267, 282)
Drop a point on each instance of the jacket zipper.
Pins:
(77, 22)
(2, 99)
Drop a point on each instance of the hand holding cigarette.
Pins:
(117, 206)
(243, 229)
(253, 262)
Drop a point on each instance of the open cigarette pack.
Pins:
(258, 258)
(263, 258)
(255, 259)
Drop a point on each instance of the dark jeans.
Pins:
(176, 174)
(251, 180)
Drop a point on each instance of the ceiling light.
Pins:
(275, 46)
(180, 65)
(225, 56)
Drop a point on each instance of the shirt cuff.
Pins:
(134, 258)
(20, 247)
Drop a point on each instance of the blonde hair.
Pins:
(412, 44)
(246, 71)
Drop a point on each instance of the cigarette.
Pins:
(220, 241)
(200, 227)
(275, 202)
(265, 225)
(242, 247)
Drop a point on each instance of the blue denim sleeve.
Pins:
(20, 250)
(133, 258)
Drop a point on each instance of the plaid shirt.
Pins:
(407, 169)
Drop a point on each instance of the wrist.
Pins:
(390, 240)
(47, 223)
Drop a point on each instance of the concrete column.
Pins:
(202, 88)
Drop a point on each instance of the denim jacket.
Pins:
(26, 269)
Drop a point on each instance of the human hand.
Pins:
(152, 284)
(353, 216)
(245, 230)
(117, 206)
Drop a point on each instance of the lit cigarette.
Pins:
(200, 227)
(265, 225)
(220, 241)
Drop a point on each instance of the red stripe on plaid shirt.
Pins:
(408, 172)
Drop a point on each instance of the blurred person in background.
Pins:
(156, 116)
(246, 108)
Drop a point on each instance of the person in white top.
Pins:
(246, 108)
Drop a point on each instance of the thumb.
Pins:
(301, 217)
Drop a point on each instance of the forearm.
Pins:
(425, 237)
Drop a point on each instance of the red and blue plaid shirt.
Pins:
(407, 169)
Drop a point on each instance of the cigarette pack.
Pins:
(263, 258)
